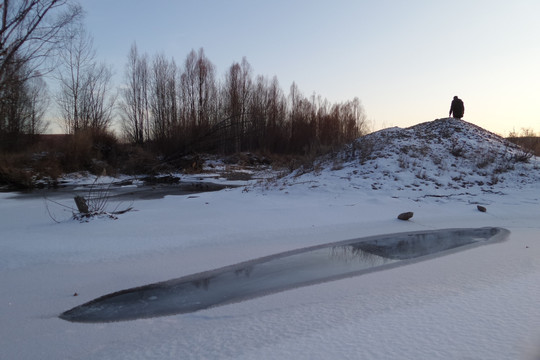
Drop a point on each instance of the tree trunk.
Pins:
(82, 206)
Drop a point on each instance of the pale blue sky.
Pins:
(404, 60)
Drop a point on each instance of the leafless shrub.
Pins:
(14, 176)
(96, 203)
(522, 155)
(485, 159)
(337, 165)
(494, 180)
(456, 148)
(363, 149)
(505, 164)
(403, 162)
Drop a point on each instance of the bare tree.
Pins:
(236, 96)
(84, 98)
(163, 99)
(76, 59)
(198, 93)
(30, 30)
(22, 106)
(11, 104)
(96, 100)
(134, 105)
(37, 104)
(299, 119)
(277, 109)
(258, 113)
(355, 122)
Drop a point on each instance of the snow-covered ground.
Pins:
(481, 303)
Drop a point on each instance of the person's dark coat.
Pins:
(457, 108)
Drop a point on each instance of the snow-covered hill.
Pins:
(438, 158)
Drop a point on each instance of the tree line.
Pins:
(187, 108)
(160, 105)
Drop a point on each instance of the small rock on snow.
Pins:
(405, 215)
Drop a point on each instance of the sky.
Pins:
(405, 60)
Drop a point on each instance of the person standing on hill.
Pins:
(457, 108)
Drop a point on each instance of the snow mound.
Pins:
(442, 157)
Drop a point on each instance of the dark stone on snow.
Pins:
(405, 215)
(481, 208)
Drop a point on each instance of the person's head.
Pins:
(455, 97)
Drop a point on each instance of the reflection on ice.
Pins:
(278, 272)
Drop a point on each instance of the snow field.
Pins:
(481, 303)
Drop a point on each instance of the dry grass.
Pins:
(13, 173)
(531, 143)
(527, 139)
(53, 155)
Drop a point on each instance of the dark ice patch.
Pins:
(278, 272)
